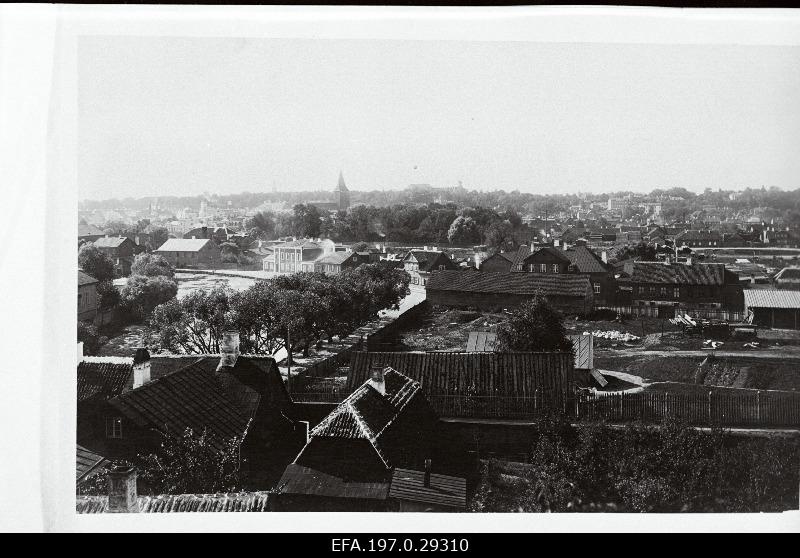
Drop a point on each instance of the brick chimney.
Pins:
(122, 495)
(228, 349)
(376, 378)
(141, 367)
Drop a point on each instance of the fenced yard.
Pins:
(759, 409)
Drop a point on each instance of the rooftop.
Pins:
(443, 490)
(179, 503)
(110, 241)
(771, 298)
(510, 283)
(85, 279)
(183, 245)
(679, 274)
(103, 378)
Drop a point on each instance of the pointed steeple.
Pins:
(341, 186)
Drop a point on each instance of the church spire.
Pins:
(341, 186)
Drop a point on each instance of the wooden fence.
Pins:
(767, 409)
(759, 409)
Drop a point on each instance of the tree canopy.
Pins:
(533, 326)
(96, 263)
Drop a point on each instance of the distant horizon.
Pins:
(182, 116)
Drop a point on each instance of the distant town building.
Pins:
(197, 253)
(88, 233)
(120, 249)
(421, 263)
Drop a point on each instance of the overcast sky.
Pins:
(180, 116)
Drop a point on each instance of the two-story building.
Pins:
(193, 253)
(661, 289)
(419, 264)
(336, 262)
(297, 255)
(699, 239)
(120, 249)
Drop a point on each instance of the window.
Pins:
(113, 427)
(596, 289)
(676, 292)
(543, 268)
(555, 268)
(652, 290)
(441, 267)
(663, 291)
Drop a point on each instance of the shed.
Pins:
(775, 308)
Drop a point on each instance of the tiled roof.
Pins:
(103, 378)
(522, 253)
(192, 398)
(585, 260)
(366, 413)
(179, 503)
(678, 274)
(183, 245)
(484, 373)
(548, 284)
(555, 252)
(87, 463)
(771, 298)
(427, 258)
(443, 490)
(85, 279)
(297, 479)
(110, 241)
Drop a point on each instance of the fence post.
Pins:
(709, 406)
(621, 405)
(758, 407)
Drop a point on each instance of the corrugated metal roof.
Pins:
(771, 298)
(183, 245)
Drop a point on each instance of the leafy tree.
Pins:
(141, 294)
(152, 265)
(95, 262)
(307, 220)
(264, 224)
(533, 326)
(158, 236)
(360, 247)
(464, 230)
(190, 463)
(500, 236)
(108, 298)
(193, 324)
(91, 338)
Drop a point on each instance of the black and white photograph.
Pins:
(491, 272)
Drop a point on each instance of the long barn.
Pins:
(477, 374)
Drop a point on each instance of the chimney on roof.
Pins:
(229, 350)
(80, 351)
(427, 481)
(122, 495)
(194, 237)
(141, 367)
(604, 256)
(376, 379)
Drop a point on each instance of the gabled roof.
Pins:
(340, 186)
(522, 253)
(549, 284)
(197, 397)
(183, 245)
(180, 503)
(443, 490)
(103, 377)
(549, 250)
(508, 256)
(698, 235)
(428, 258)
(678, 274)
(585, 260)
(111, 241)
(85, 279)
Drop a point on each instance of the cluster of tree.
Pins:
(430, 223)
(184, 463)
(666, 468)
(533, 326)
(292, 311)
(152, 282)
(151, 236)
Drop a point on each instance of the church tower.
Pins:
(342, 194)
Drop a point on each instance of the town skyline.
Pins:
(183, 116)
